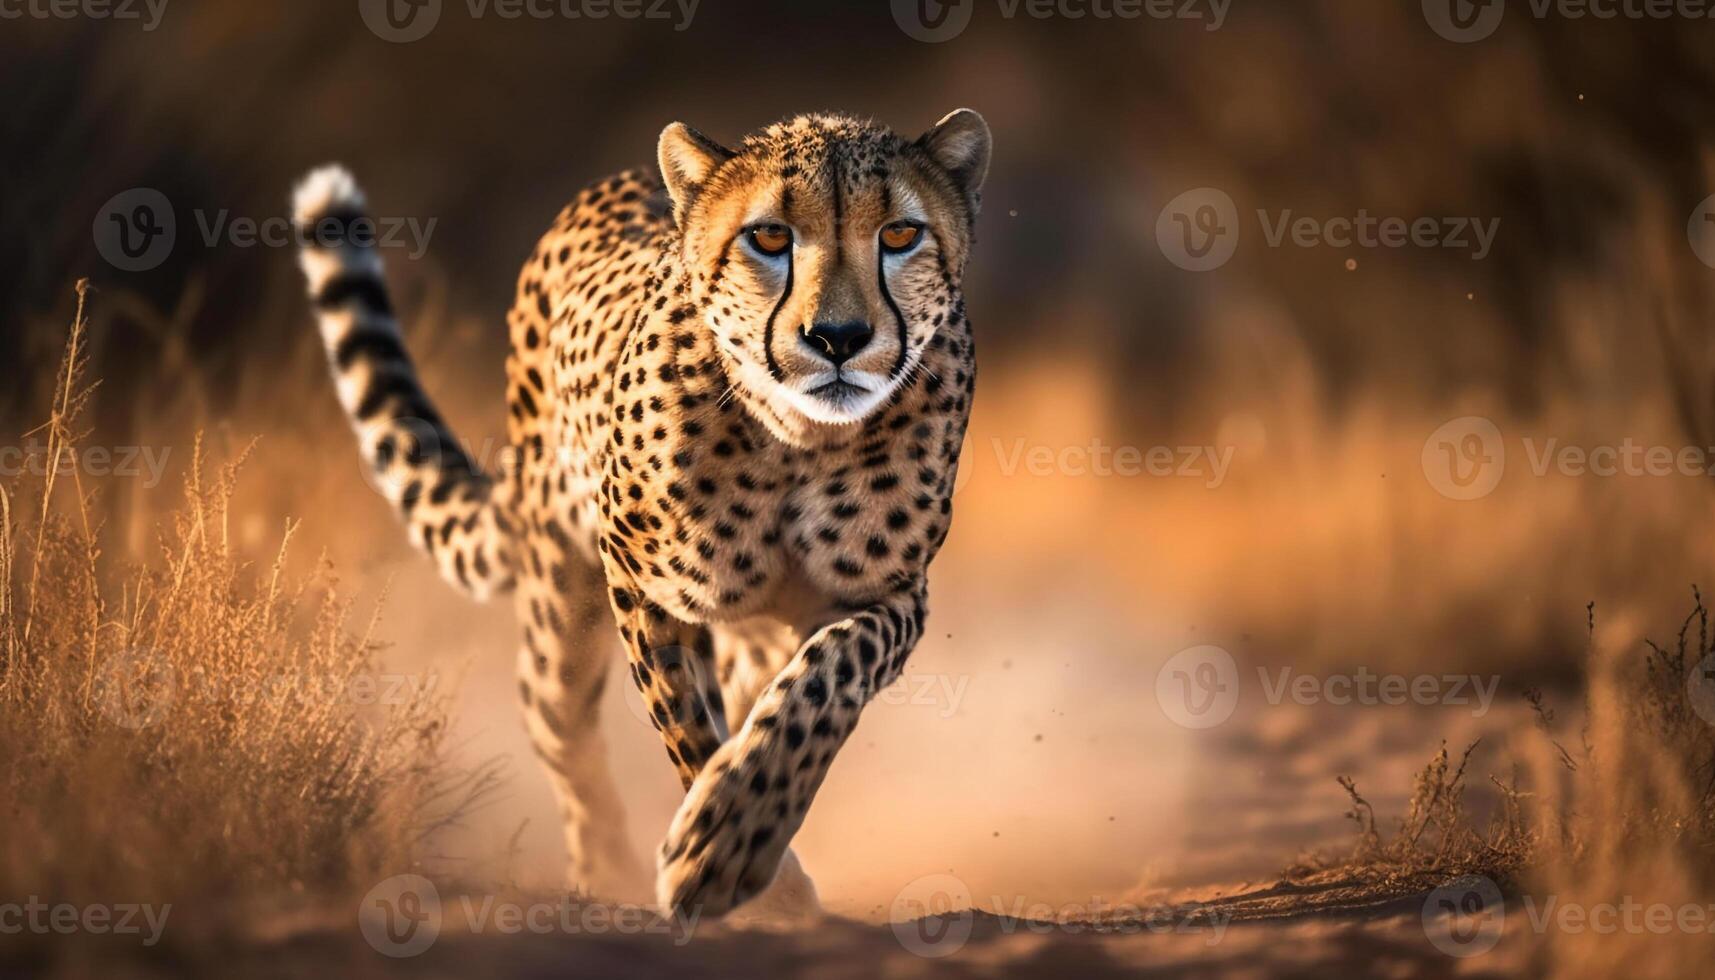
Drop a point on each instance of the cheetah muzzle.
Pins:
(737, 393)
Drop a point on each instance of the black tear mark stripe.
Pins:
(768, 332)
(881, 281)
(362, 287)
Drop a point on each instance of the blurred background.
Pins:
(1027, 749)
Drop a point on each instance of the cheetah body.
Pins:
(683, 465)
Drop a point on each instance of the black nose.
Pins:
(839, 342)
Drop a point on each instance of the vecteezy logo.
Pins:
(1199, 230)
(135, 688)
(1198, 688)
(1465, 459)
(1465, 917)
(932, 916)
(401, 916)
(933, 21)
(1701, 687)
(1464, 21)
(134, 230)
(1701, 231)
(400, 21)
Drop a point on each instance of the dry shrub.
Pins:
(197, 731)
(1623, 821)
(1629, 819)
(1437, 840)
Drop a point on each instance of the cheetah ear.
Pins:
(687, 158)
(961, 143)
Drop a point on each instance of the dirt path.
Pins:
(1327, 927)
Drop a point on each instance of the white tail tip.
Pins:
(325, 189)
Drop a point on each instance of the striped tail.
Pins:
(450, 507)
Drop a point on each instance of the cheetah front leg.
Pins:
(672, 664)
(731, 832)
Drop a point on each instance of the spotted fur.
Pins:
(746, 458)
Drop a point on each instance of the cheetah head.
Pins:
(825, 254)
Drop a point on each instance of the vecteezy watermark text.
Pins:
(1364, 230)
(281, 232)
(404, 21)
(1468, 916)
(1208, 463)
(1014, 457)
(1466, 21)
(1466, 458)
(934, 21)
(1199, 230)
(35, 459)
(404, 915)
(1200, 687)
(64, 919)
(136, 230)
(932, 917)
(149, 12)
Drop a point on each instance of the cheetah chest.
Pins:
(711, 514)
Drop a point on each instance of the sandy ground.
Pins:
(1232, 805)
(987, 779)
(1320, 931)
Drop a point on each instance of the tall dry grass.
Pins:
(1628, 813)
(196, 730)
(1614, 812)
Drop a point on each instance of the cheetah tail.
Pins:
(450, 507)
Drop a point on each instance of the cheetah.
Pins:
(737, 390)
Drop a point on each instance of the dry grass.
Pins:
(1437, 840)
(1630, 816)
(1627, 817)
(196, 731)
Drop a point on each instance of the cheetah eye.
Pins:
(771, 240)
(901, 236)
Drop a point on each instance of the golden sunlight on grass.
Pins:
(197, 731)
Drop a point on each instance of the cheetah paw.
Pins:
(717, 855)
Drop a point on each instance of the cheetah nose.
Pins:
(839, 342)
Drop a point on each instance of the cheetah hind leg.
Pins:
(601, 861)
(562, 671)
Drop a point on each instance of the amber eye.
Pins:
(900, 236)
(771, 240)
